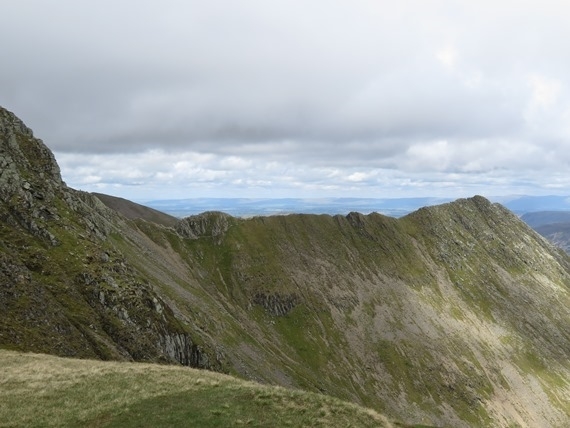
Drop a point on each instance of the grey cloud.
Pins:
(317, 84)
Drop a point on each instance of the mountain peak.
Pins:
(30, 178)
(26, 164)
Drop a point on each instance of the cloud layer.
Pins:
(290, 98)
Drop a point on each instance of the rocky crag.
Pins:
(455, 315)
(64, 286)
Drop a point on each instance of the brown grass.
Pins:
(41, 390)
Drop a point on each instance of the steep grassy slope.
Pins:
(133, 211)
(455, 315)
(41, 391)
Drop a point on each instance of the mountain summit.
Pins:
(454, 315)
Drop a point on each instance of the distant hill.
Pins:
(557, 233)
(553, 225)
(250, 207)
(457, 314)
(133, 210)
(393, 207)
(543, 218)
(526, 204)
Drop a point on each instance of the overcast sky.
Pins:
(269, 98)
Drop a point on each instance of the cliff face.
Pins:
(64, 287)
(455, 315)
(29, 177)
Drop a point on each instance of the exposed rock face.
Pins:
(29, 178)
(22, 153)
(63, 287)
(179, 347)
(455, 315)
(212, 224)
(275, 304)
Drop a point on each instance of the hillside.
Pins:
(454, 315)
(543, 218)
(553, 225)
(66, 289)
(132, 210)
(41, 391)
(557, 233)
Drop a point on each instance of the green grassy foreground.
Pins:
(42, 390)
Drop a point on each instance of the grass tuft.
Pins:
(39, 390)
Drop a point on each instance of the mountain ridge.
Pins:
(394, 207)
(454, 315)
(132, 210)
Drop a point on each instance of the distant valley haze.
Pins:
(393, 207)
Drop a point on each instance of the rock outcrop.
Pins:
(64, 287)
(210, 224)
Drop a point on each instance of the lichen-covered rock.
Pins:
(26, 163)
(30, 179)
(209, 224)
(179, 347)
(276, 304)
